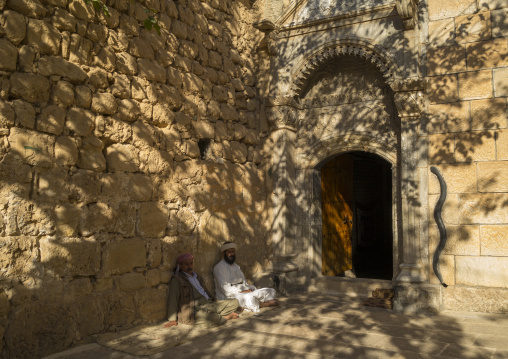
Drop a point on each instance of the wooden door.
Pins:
(337, 202)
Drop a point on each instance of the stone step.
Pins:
(353, 287)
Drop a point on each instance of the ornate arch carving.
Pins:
(329, 52)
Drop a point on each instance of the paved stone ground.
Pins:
(314, 326)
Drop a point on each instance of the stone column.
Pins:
(409, 102)
(282, 117)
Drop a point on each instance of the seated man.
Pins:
(230, 283)
(190, 302)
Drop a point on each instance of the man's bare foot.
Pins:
(232, 316)
(269, 303)
(172, 323)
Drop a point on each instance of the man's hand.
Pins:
(246, 291)
(171, 323)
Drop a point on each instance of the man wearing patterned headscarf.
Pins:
(230, 283)
(190, 302)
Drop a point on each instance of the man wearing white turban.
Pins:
(230, 283)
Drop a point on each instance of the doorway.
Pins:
(356, 196)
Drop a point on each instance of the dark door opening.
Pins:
(357, 216)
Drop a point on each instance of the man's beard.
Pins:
(230, 259)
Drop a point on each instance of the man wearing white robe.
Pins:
(230, 283)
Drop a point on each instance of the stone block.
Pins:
(480, 299)
(112, 130)
(51, 65)
(128, 110)
(63, 20)
(493, 176)
(442, 9)
(90, 155)
(483, 208)
(475, 146)
(98, 78)
(451, 117)
(162, 116)
(474, 85)
(43, 37)
(140, 187)
(487, 54)
(489, 114)
(103, 284)
(9, 55)
(493, 239)
(25, 113)
(82, 96)
(86, 186)
(95, 218)
(153, 217)
(482, 271)
(104, 103)
(499, 22)
(154, 253)
(63, 256)
(502, 145)
(151, 70)
(125, 222)
(49, 332)
(476, 27)
(13, 26)
(459, 178)
(30, 87)
(90, 316)
(132, 281)
(51, 120)
(34, 148)
(66, 151)
(80, 122)
(500, 87)
(192, 84)
(152, 304)
(123, 256)
(153, 277)
(446, 60)
(126, 63)
(442, 32)
(443, 89)
(7, 115)
(441, 149)
(18, 257)
(30, 8)
(461, 240)
(122, 157)
(62, 94)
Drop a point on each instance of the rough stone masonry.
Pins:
(119, 149)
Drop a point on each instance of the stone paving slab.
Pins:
(310, 326)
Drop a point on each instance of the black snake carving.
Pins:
(440, 225)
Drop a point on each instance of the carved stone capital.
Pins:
(408, 11)
(408, 97)
(269, 41)
(282, 112)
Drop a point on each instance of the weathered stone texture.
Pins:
(13, 26)
(122, 256)
(493, 176)
(489, 114)
(446, 60)
(90, 155)
(494, 241)
(483, 208)
(43, 37)
(51, 120)
(30, 87)
(34, 148)
(502, 145)
(480, 299)
(482, 271)
(461, 240)
(500, 87)
(441, 9)
(487, 54)
(460, 178)
(152, 219)
(70, 256)
(475, 146)
(474, 85)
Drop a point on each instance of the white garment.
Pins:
(195, 283)
(230, 282)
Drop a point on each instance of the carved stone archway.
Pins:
(283, 116)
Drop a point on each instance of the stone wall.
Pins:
(120, 149)
(467, 71)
